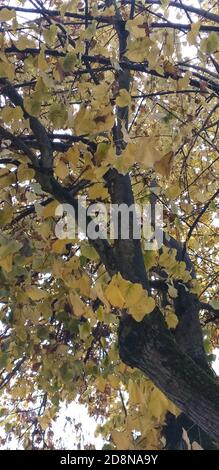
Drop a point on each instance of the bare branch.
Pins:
(196, 221)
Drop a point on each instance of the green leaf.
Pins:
(42, 332)
(84, 330)
(3, 360)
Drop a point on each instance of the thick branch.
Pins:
(181, 6)
(125, 65)
(38, 129)
(55, 13)
(150, 347)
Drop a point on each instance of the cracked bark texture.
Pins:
(175, 362)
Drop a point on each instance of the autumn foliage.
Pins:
(113, 102)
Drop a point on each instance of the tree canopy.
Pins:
(114, 102)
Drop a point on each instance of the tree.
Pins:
(116, 102)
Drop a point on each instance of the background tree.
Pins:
(109, 100)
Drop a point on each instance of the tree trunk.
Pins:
(149, 347)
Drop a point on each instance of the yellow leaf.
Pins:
(113, 381)
(72, 156)
(100, 92)
(135, 395)
(32, 105)
(25, 173)
(123, 294)
(98, 191)
(6, 263)
(192, 35)
(113, 294)
(145, 306)
(210, 44)
(41, 88)
(144, 152)
(77, 304)
(24, 42)
(84, 330)
(122, 284)
(168, 258)
(163, 166)
(49, 210)
(9, 248)
(124, 98)
(50, 34)
(88, 121)
(138, 49)
(172, 292)
(194, 244)
(6, 215)
(11, 114)
(110, 11)
(7, 180)
(58, 114)
(216, 166)
(18, 113)
(101, 384)
(104, 120)
(186, 207)
(61, 170)
(7, 15)
(36, 293)
(199, 195)
(99, 172)
(42, 62)
(150, 259)
(171, 319)
(136, 27)
(127, 159)
(196, 288)
(122, 440)
(59, 245)
(7, 70)
(88, 251)
(183, 83)
(121, 368)
(69, 61)
(169, 44)
(83, 123)
(100, 294)
(82, 284)
(101, 152)
(134, 293)
(73, 264)
(147, 151)
(173, 408)
(44, 422)
(173, 191)
(158, 404)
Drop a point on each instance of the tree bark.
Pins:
(174, 362)
(149, 347)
